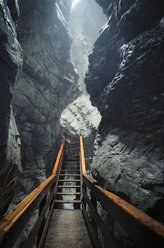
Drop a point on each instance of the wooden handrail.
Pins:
(58, 157)
(135, 213)
(82, 156)
(14, 222)
(144, 230)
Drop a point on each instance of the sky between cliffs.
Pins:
(74, 3)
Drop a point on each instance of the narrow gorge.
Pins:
(83, 67)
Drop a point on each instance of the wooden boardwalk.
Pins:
(67, 229)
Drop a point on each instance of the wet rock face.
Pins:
(10, 65)
(125, 80)
(46, 87)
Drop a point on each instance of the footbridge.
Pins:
(68, 207)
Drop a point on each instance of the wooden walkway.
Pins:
(67, 196)
(67, 229)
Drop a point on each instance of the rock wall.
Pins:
(47, 85)
(125, 81)
(10, 66)
(80, 117)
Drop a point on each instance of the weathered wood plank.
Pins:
(67, 229)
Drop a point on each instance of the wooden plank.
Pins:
(68, 193)
(82, 156)
(69, 175)
(145, 231)
(67, 201)
(69, 180)
(67, 229)
(74, 143)
(13, 223)
(104, 230)
(71, 160)
(69, 186)
(58, 158)
(92, 234)
(70, 155)
(70, 167)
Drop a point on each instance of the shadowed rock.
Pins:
(10, 65)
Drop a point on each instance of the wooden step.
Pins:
(73, 149)
(69, 180)
(68, 164)
(72, 154)
(71, 168)
(67, 201)
(69, 175)
(69, 186)
(71, 164)
(74, 143)
(71, 160)
(68, 171)
(68, 193)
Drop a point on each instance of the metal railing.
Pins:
(42, 198)
(144, 231)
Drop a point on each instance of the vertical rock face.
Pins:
(125, 81)
(10, 64)
(47, 84)
(80, 117)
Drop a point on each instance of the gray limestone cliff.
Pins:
(10, 67)
(125, 81)
(47, 85)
